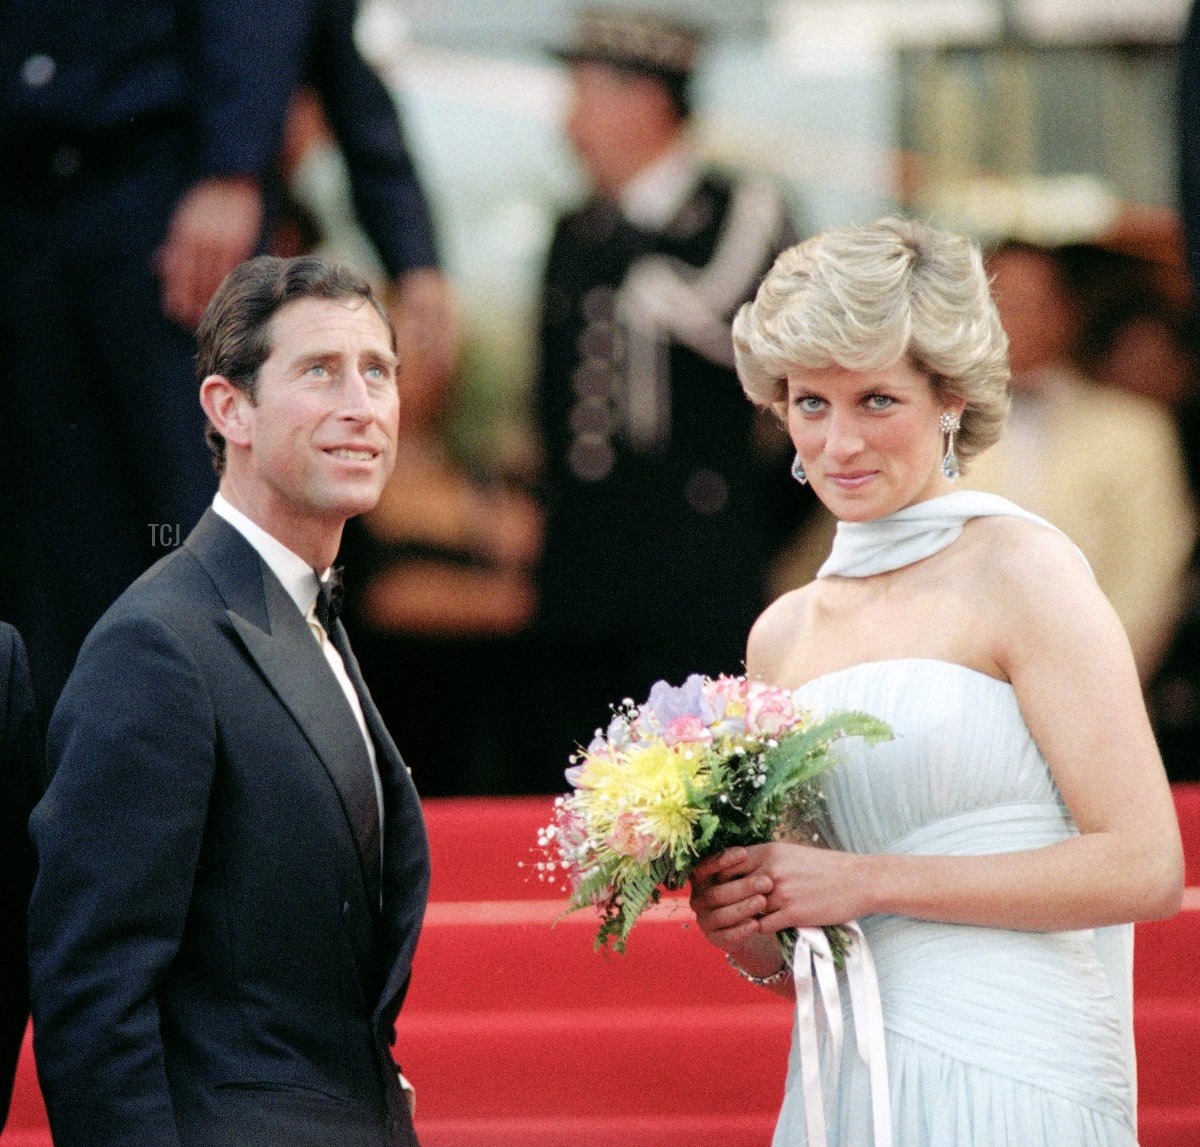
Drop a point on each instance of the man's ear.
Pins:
(228, 408)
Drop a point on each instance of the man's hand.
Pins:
(215, 226)
(423, 310)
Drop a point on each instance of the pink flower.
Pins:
(687, 731)
(630, 838)
(726, 689)
(769, 711)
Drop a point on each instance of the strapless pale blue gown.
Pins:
(995, 1038)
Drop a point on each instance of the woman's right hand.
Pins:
(729, 893)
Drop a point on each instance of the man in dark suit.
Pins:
(232, 862)
(20, 786)
(660, 515)
(140, 141)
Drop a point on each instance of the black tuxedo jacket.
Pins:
(20, 785)
(211, 964)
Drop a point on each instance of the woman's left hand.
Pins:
(810, 886)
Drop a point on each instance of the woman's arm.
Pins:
(1059, 642)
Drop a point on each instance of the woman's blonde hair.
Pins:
(863, 298)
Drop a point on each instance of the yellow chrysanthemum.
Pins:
(650, 781)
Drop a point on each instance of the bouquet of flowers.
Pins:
(693, 770)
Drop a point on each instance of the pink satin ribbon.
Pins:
(815, 974)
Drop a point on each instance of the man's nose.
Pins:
(354, 397)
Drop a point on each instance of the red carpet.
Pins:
(517, 1035)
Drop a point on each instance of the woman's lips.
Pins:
(850, 479)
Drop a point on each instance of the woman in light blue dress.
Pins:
(997, 849)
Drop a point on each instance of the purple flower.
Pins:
(667, 703)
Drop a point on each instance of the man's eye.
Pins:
(380, 375)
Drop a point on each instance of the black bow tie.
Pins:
(329, 599)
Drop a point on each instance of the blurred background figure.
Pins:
(21, 783)
(1074, 447)
(1137, 334)
(141, 142)
(1175, 693)
(659, 520)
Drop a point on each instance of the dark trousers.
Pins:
(101, 433)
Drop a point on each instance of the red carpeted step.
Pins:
(527, 954)
(1169, 1126)
(506, 1009)
(1165, 953)
(601, 1131)
(1187, 806)
(479, 843)
(13, 1137)
(656, 1062)
(27, 1113)
(484, 848)
(512, 955)
(1167, 1032)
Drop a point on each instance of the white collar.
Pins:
(653, 197)
(294, 573)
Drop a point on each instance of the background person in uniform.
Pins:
(658, 531)
(232, 861)
(20, 787)
(140, 140)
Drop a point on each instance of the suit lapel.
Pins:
(406, 847)
(280, 643)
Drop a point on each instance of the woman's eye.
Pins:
(808, 404)
(879, 402)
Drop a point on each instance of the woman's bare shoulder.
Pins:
(773, 636)
(1016, 554)
(1034, 582)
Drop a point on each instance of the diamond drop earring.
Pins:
(798, 471)
(949, 424)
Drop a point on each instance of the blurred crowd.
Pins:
(501, 599)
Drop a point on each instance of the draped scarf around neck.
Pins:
(863, 549)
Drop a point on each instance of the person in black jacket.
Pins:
(140, 141)
(657, 537)
(20, 786)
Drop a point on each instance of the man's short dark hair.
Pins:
(233, 337)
